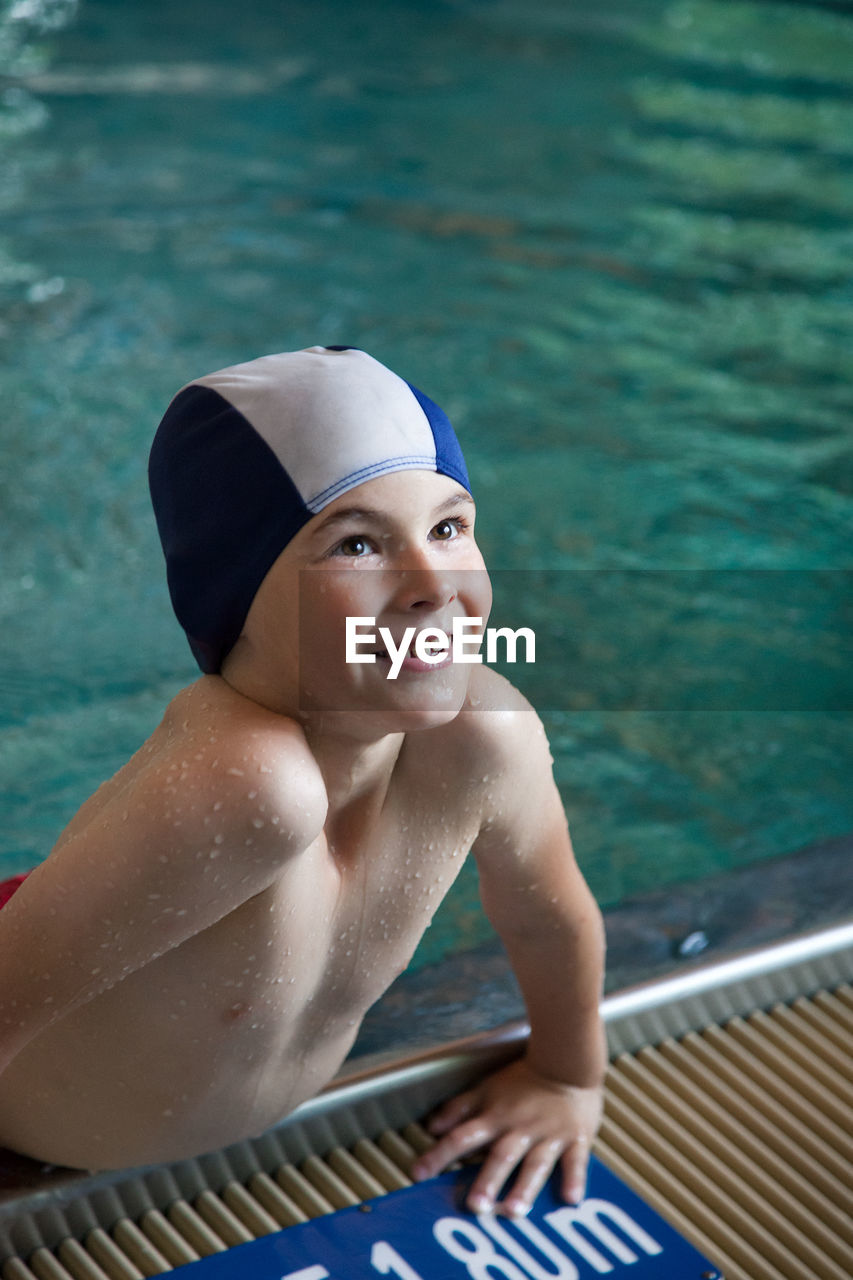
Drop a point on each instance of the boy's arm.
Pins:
(173, 852)
(546, 1107)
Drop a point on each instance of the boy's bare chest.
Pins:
(337, 926)
(388, 889)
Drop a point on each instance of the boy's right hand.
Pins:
(529, 1123)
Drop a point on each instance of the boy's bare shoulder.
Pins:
(241, 758)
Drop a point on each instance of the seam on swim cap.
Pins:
(405, 462)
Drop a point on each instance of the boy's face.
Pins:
(399, 549)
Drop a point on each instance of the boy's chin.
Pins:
(369, 726)
(415, 719)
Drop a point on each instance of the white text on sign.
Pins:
(488, 1249)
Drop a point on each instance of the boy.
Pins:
(194, 958)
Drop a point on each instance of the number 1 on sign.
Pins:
(385, 1259)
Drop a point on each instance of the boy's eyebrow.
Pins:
(459, 499)
(347, 514)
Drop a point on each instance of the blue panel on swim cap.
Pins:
(225, 508)
(448, 455)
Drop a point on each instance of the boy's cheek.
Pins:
(475, 592)
(327, 599)
(484, 603)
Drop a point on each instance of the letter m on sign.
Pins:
(589, 1216)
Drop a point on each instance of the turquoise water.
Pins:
(613, 241)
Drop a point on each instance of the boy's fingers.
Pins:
(499, 1164)
(452, 1113)
(534, 1173)
(575, 1161)
(461, 1141)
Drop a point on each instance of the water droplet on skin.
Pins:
(237, 773)
(253, 795)
(258, 822)
(217, 806)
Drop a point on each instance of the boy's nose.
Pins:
(423, 589)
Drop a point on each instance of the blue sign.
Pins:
(425, 1233)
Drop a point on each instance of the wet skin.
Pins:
(195, 956)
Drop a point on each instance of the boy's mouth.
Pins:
(430, 648)
(408, 659)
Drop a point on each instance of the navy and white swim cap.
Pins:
(245, 457)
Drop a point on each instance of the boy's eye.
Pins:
(353, 546)
(447, 529)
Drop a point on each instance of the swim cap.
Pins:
(245, 457)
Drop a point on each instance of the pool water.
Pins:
(613, 241)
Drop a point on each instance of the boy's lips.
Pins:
(411, 662)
